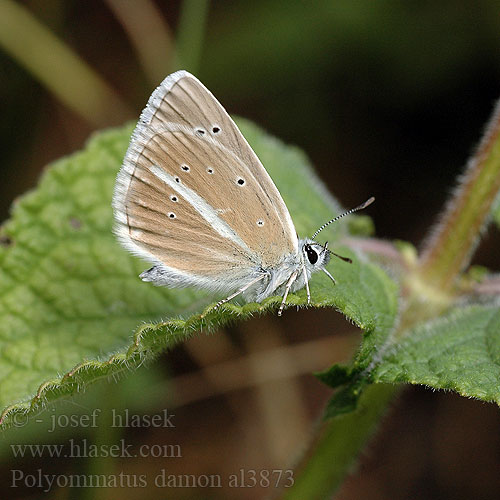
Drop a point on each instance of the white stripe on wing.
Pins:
(202, 207)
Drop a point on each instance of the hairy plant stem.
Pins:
(337, 443)
(448, 249)
(430, 287)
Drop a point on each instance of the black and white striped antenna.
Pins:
(369, 201)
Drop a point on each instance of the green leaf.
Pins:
(345, 400)
(70, 297)
(373, 305)
(336, 376)
(458, 351)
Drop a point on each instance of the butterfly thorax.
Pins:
(309, 258)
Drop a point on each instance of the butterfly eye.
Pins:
(185, 168)
(260, 223)
(241, 181)
(172, 215)
(173, 198)
(215, 129)
(210, 170)
(312, 255)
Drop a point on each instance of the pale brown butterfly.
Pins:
(193, 199)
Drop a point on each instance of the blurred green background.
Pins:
(387, 98)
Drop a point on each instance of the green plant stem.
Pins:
(337, 444)
(190, 34)
(57, 67)
(149, 35)
(449, 248)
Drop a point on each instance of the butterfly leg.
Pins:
(241, 290)
(289, 283)
(330, 276)
(307, 284)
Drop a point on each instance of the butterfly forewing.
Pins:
(183, 99)
(164, 225)
(192, 195)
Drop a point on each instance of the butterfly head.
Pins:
(315, 255)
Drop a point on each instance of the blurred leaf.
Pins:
(70, 297)
(459, 351)
(361, 226)
(421, 57)
(496, 212)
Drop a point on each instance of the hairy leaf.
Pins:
(70, 297)
(458, 351)
(372, 305)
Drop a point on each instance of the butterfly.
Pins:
(193, 199)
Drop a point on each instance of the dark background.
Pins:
(388, 99)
